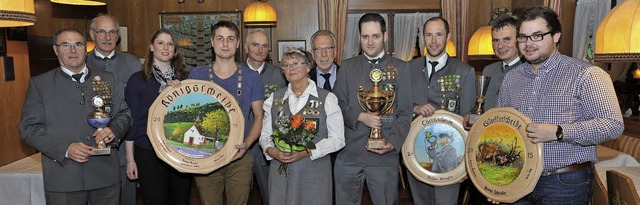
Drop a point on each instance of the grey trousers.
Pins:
(260, 172)
(104, 196)
(349, 177)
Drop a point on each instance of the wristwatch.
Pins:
(559, 134)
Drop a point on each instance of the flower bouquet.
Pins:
(294, 135)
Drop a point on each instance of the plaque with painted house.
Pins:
(195, 127)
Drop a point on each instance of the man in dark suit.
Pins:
(54, 122)
(323, 44)
(356, 163)
(439, 82)
(505, 46)
(256, 46)
(105, 31)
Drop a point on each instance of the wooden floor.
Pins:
(475, 198)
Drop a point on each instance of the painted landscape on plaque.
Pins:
(500, 154)
(439, 148)
(196, 125)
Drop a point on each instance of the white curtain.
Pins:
(589, 14)
(351, 38)
(406, 27)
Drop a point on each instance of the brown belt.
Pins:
(570, 168)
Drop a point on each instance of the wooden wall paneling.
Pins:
(294, 23)
(567, 17)
(12, 148)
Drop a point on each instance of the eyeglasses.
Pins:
(104, 33)
(321, 49)
(533, 38)
(66, 46)
(292, 65)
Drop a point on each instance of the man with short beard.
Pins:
(105, 32)
(572, 106)
(428, 75)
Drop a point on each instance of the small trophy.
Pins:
(482, 82)
(376, 101)
(99, 118)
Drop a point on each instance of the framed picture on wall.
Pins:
(266, 30)
(285, 45)
(3, 42)
(124, 38)
(193, 33)
(17, 34)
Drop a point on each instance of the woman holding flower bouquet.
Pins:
(302, 124)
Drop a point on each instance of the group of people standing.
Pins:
(572, 106)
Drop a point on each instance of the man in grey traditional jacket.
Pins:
(54, 122)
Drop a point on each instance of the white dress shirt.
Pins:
(335, 123)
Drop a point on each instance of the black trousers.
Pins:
(160, 183)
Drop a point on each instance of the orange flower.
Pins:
(296, 121)
(309, 125)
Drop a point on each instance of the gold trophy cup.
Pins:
(482, 83)
(376, 101)
(99, 119)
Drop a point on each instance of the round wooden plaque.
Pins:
(501, 161)
(434, 149)
(195, 127)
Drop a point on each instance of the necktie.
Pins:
(433, 68)
(374, 61)
(77, 76)
(504, 67)
(327, 85)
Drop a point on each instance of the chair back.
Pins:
(600, 196)
(621, 189)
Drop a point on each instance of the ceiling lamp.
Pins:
(81, 2)
(480, 42)
(16, 13)
(618, 36)
(450, 49)
(259, 13)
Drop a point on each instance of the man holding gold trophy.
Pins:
(374, 95)
(54, 121)
(440, 82)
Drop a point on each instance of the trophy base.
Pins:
(101, 151)
(472, 119)
(375, 143)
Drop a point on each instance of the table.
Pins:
(608, 157)
(21, 182)
(632, 172)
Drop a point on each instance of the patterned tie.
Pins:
(327, 85)
(77, 77)
(433, 69)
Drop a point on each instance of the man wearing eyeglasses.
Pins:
(323, 44)
(105, 34)
(54, 123)
(572, 106)
(357, 163)
(257, 46)
(440, 82)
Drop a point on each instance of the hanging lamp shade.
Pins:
(450, 48)
(90, 46)
(16, 13)
(259, 14)
(81, 2)
(618, 36)
(480, 42)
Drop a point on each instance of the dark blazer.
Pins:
(54, 116)
(314, 76)
(355, 74)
